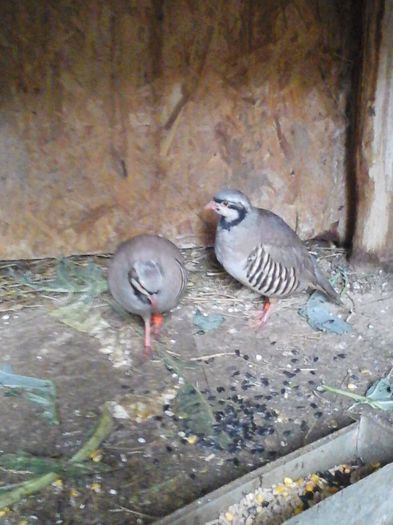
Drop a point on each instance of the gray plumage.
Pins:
(260, 250)
(146, 276)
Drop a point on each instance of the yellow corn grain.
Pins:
(96, 455)
(281, 489)
(191, 440)
(259, 499)
(58, 484)
(309, 487)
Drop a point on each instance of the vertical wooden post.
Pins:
(373, 239)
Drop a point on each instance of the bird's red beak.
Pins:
(211, 206)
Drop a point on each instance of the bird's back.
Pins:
(147, 248)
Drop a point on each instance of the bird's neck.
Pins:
(227, 223)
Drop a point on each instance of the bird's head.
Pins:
(146, 279)
(232, 205)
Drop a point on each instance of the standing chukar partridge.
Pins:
(147, 277)
(260, 250)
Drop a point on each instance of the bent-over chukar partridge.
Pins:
(147, 277)
(260, 250)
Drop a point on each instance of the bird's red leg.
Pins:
(152, 325)
(147, 351)
(156, 323)
(265, 314)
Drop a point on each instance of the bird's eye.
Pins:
(225, 203)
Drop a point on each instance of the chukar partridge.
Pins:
(260, 250)
(147, 277)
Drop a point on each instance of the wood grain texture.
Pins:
(373, 240)
(124, 117)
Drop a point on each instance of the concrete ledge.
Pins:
(366, 440)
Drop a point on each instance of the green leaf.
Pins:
(70, 278)
(207, 322)
(192, 407)
(21, 490)
(41, 465)
(317, 313)
(379, 395)
(80, 316)
(36, 390)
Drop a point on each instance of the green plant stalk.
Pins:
(347, 393)
(356, 397)
(103, 429)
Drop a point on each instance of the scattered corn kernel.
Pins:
(95, 487)
(315, 478)
(352, 386)
(259, 499)
(309, 487)
(58, 483)
(192, 439)
(292, 496)
(96, 455)
(74, 493)
(280, 489)
(4, 512)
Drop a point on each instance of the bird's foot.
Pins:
(262, 316)
(156, 323)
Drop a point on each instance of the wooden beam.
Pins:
(373, 239)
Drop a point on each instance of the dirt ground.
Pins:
(258, 385)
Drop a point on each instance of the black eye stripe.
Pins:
(230, 205)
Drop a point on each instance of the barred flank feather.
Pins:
(269, 277)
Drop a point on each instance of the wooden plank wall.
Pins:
(373, 152)
(123, 117)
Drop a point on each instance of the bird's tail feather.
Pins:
(323, 284)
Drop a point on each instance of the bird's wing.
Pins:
(182, 276)
(278, 262)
